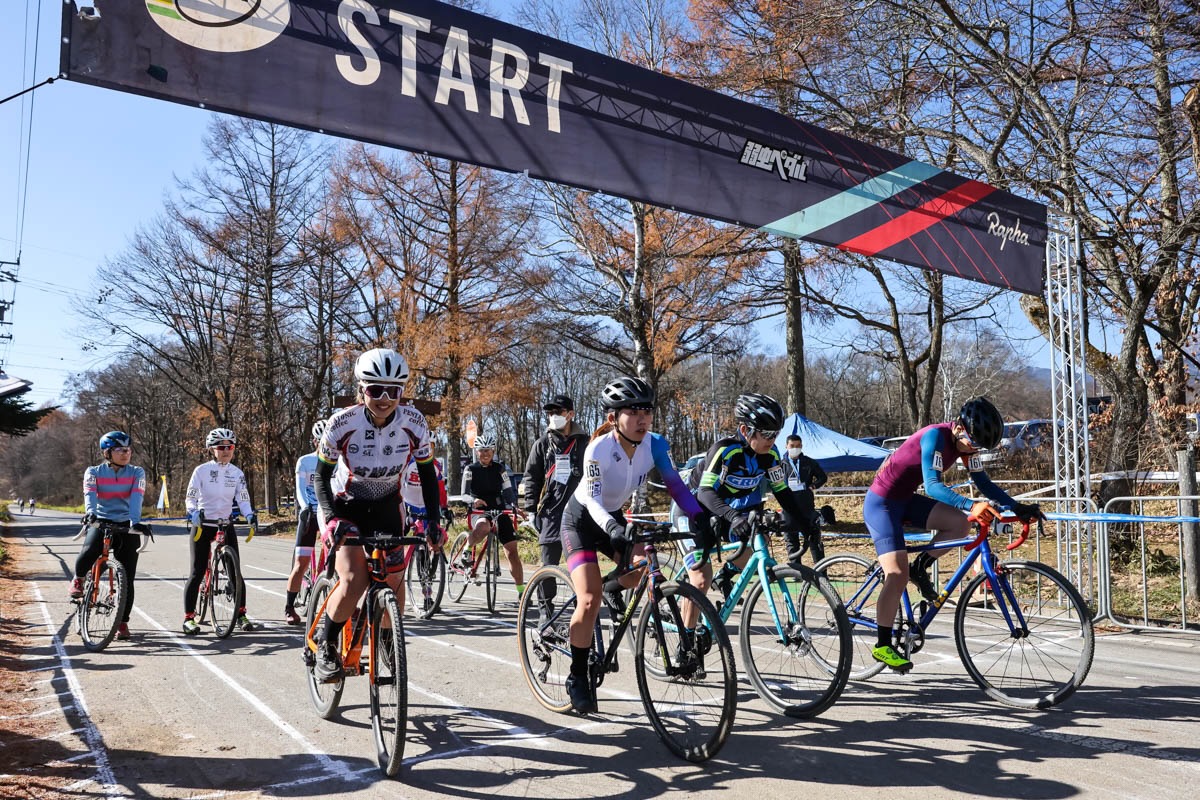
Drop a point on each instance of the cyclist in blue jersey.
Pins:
(306, 523)
(616, 462)
(892, 502)
(112, 493)
(728, 484)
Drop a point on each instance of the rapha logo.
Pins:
(222, 26)
(1007, 233)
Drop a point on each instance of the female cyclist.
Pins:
(360, 460)
(213, 490)
(621, 454)
(892, 502)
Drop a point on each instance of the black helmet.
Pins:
(983, 422)
(627, 393)
(759, 411)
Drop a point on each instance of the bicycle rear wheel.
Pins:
(543, 635)
(492, 571)
(389, 682)
(424, 580)
(103, 605)
(1035, 666)
(457, 575)
(225, 590)
(847, 576)
(325, 696)
(799, 665)
(693, 706)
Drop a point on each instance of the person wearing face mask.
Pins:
(553, 470)
(804, 475)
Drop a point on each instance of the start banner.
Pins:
(432, 78)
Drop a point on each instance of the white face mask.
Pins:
(794, 452)
(557, 422)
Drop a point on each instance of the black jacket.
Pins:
(545, 496)
(807, 470)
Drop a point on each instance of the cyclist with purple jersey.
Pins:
(893, 502)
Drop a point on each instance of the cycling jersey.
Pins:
(489, 484)
(214, 489)
(306, 468)
(114, 494)
(923, 458)
(610, 477)
(369, 460)
(728, 482)
(410, 487)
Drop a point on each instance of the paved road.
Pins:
(165, 716)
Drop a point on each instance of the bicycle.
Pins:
(689, 696)
(484, 554)
(105, 595)
(794, 635)
(221, 591)
(1022, 630)
(386, 665)
(425, 577)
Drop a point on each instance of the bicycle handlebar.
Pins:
(224, 522)
(991, 515)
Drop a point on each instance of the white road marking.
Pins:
(332, 768)
(91, 734)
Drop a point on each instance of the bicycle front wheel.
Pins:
(544, 636)
(1029, 642)
(225, 592)
(389, 682)
(103, 605)
(795, 641)
(848, 576)
(492, 570)
(457, 575)
(325, 696)
(692, 704)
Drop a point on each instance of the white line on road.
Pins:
(91, 734)
(331, 767)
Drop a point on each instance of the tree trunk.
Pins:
(792, 264)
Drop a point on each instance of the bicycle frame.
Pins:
(354, 635)
(1009, 607)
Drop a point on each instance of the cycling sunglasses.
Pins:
(766, 434)
(376, 391)
(222, 447)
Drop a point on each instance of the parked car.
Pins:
(689, 465)
(892, 442)
(875, 440)
(1026, 435)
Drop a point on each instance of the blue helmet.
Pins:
(114, 439)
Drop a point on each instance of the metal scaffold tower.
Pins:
(1067, 322)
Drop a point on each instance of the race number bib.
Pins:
(937, 461)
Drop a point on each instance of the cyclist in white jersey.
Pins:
(618, 459)
(360, 460)
(306, 524)
(213, 490)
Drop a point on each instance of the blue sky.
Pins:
(99, 162)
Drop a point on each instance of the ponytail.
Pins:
(608, 426)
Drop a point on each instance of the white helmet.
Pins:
(381, 365)
(485, 441)
(318, 430)
(219, 435)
